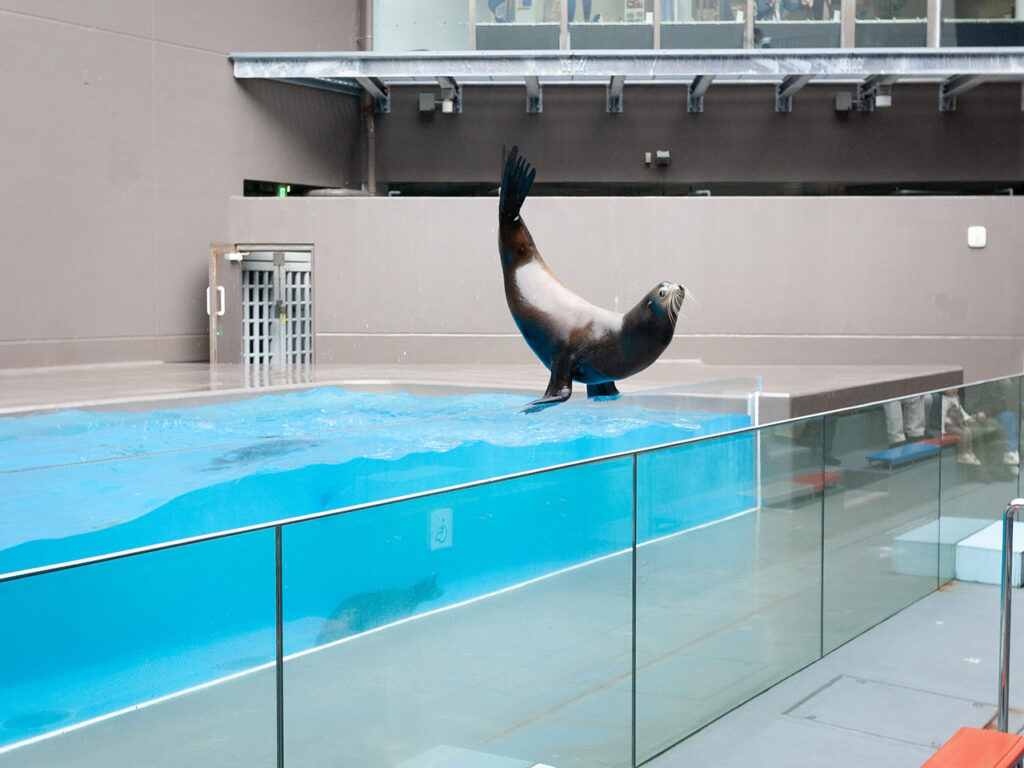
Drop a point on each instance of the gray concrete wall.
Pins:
(772, 280)
(123, 136)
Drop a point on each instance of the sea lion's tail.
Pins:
(515, 184)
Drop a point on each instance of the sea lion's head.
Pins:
(664, 301)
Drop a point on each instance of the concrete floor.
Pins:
(788, 390)
(887, 699)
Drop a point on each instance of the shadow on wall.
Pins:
(315, 131)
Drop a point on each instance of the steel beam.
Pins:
(377, 91)
(534, 102)
(695, 93)
(351, 88)
(950, 88)
(765, 64)
(784, 91)
(613, 101)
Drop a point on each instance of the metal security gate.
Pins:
(277, 310)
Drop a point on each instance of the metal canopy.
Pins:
(953, 70)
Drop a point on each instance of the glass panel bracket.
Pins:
(377, 91)
(695, 93)
(784, 91)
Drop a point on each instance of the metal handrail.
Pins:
(1009, 518)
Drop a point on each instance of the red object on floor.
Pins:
(975, 748)
(941, 441)
(819, 480)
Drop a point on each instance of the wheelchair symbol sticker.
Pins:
(441, 528)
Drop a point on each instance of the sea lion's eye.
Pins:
(661, 293)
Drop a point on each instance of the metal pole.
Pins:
(1009, 517)
(933, 30)
(657, 24)
(279, 651)
(848, 25)
(365, 20)
(632, 718)
(370, 132)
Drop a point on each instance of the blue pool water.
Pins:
(99, 639)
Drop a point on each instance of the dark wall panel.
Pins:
(739, 137)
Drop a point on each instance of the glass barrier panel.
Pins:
(704, 34)
(796, 24)
(980, 469)
(891, 23)
(881, 528)
(518, 24)
(795, 33)
(891, 32)
(487, 621)
(611, 11)
(407, 25)
(132, 660)
(674, 11)
(728, 574)
(611, 24)
(81, 484)
(982, 23)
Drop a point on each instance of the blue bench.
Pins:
(903, 454)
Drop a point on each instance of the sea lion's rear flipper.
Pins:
(604, 389)
(558, 391)
(516, 181)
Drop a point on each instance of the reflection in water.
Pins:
(267, 449)
(374, 609)
(257, 375)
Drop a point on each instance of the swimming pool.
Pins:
(133, 630)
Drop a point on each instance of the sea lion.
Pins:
(572, 337)
(368, 610)
(269, 448)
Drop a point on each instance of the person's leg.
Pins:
(893, 422)
(572, 10)
(586, 10)
(1011, 425)
(988, 441)
(964, 446)
(829, 438)
(913, 418)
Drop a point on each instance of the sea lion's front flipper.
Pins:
(516, 180)
(604, 389)
(559, 388)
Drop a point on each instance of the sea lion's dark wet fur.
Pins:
(368, 610)
(573, 338)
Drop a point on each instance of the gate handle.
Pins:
(220, 296)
